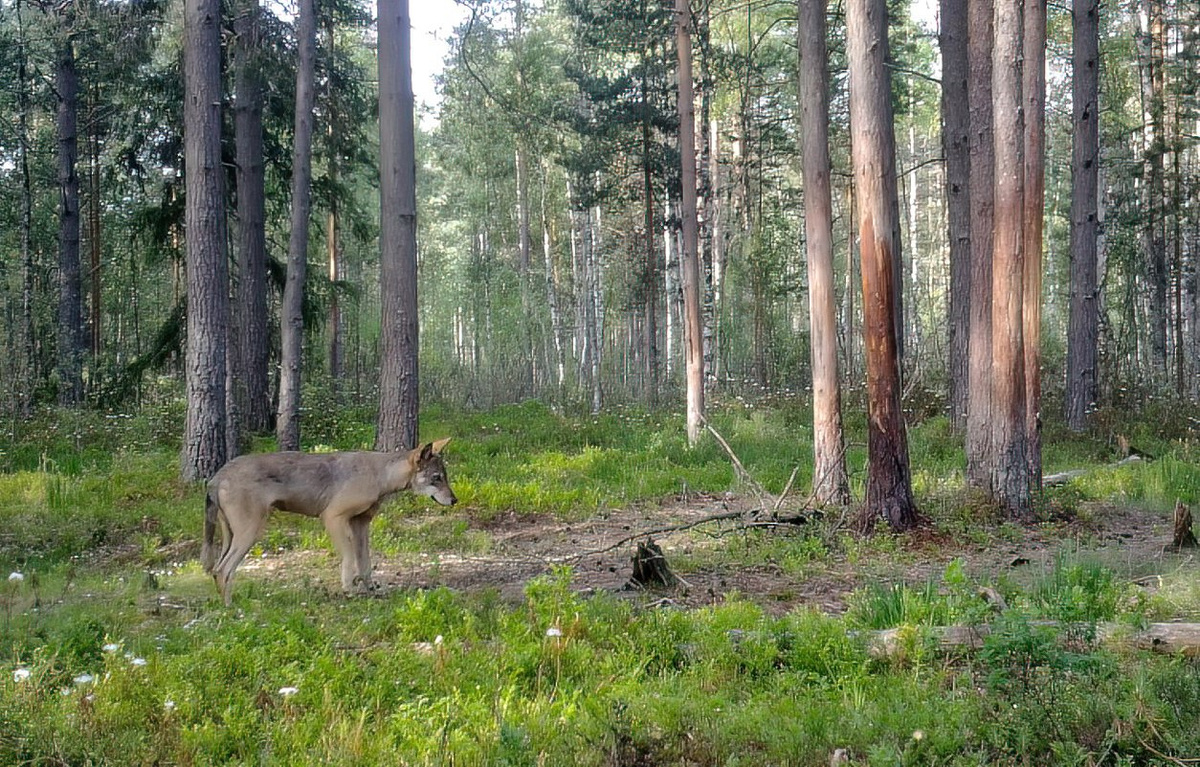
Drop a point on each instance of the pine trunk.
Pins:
(291, 321)
(689, 258)
(204, 448)
(1010, 482)
(70, 306)
(831, 484)
(250, 339)
(956, 131)
(1034, 95)
(889, 484)
(979, 372)
(398, 375)
(1083, 331)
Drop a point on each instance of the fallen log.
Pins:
(1063, 477)
(1168, 638)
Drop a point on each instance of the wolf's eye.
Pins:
(436, 478)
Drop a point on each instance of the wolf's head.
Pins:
(429, 473)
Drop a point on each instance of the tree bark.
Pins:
(1010, 478)
(956, 130)
(831, 483)
(333, 245)
(95, 294)
(1034, 95)
(556, 323)
(70, 298)
(979, 373)
(204, 448)
(1083, 331)
(291, 321)
(396, 428)
(1150, 55)
(889, 484)
(689, 258)
(30, 373)
(650, 278)
(250, 339)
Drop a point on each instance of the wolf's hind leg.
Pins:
(240, 540)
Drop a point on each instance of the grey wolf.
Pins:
(344, 490)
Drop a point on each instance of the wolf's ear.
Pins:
(426, 453)
(439, 444)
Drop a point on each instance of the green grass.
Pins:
(93, 516)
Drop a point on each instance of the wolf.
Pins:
(343, 489)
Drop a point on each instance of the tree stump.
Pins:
(650, 569)
(1184, 537)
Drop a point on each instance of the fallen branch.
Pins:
(1063, 477)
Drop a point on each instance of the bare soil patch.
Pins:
(719, 558)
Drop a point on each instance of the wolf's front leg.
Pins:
(343, 540)
(360, 529)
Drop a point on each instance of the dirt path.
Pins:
(716, 559)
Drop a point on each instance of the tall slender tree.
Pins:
(1033, 88)
(1010, 470)
(249, 342)
(979, 372)
(831, 483)
(689, 257)
(1083, 331)
(398, 396)
(291, 324)
(956, 131)
(70, 296)
(204, 449)
(889, 482)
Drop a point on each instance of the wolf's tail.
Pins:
(208, 551)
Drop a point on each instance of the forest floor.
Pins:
(721, 557)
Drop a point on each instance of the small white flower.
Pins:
(918, 735)
(138, 661)
(288, 691)
(111, 647)
(437, 639)
(84, 679)
(554, 631)
(169, 705)
(15, 577)
(21, 674)
(65, 691)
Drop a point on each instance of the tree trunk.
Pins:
(956, 132)
(94, 246)
(889, 484)
(70, 299)
(523, 255)
(831, 484)
(1034, 90)
(398, 374)
(291, 320)
(333, 246)
(30, 373)
(1010, 482)
(250, 339)
(650, 275)
(1083, 332)
(204, 449)
(979, 373)
(1150, 55)
(689, 258)
(556, 323)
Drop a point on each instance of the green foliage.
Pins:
(551, 675)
